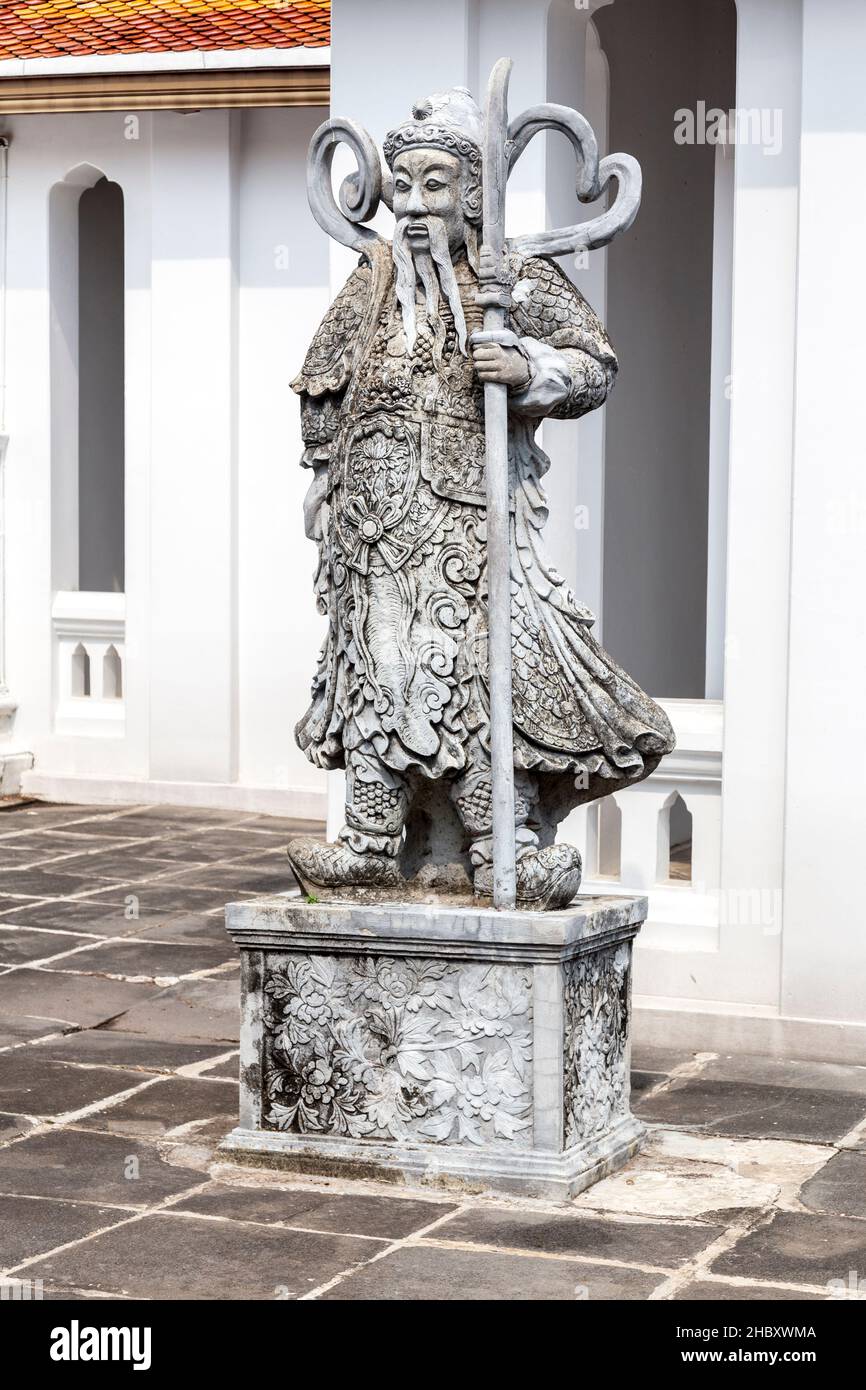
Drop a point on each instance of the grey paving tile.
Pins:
(839, 1187)
(153, 959)
(227, 1070)
(132, 827)
(642, 1081)
(77, 1165)
(391, 1218)
(60, 844)
(10, 906)
(31, 1084)
(19, 945)
(13, 1126)
(167, 1105)
(212, 846)
(194, 1010)
(758, 1112)
(665, 1244)
(133, 1050)
(179, 818)
(715, 1291)
(648, 1057)
(85, 916)
(798, 1248)
(240, 878)
(80, 999)
(284, 825)
(428, 1272)
(32, 1226)
(185, 1257)
(37, 883)
(181, 853)
(16, 1029)
(21, 857)
(114, 867)
(164, 897)
(44, 814)
(787, 1071)
(187, 927)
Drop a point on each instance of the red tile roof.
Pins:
(61, 28)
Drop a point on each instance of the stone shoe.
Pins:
(319, 865)
(547, 879)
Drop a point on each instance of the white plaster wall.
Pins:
(283, 293)
(226, 278)
(824, 948)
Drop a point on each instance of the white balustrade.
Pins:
(89, 651)
(632, 852)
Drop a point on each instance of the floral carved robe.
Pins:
(397, 506)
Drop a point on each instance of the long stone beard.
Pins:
(435, 270)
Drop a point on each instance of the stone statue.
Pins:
(392, 401)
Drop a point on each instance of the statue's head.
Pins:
(435, 165)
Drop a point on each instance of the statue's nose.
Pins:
(416, 201)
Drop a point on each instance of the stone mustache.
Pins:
(392, 405)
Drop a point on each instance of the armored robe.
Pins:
(395, 437)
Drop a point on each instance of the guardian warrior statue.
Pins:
(393, 399)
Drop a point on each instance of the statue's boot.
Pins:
(547, 879)
(319, 865)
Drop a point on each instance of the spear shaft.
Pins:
(494, 296)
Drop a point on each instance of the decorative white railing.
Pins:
(628, 845)
(89, 654)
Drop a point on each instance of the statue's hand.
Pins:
(497, 357)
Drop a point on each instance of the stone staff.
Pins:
(503, 145)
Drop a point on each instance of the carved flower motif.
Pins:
(595, 1079)
(391, 1048)
(398, 983)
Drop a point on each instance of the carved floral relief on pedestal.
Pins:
(596, 1033)
(379, 1047)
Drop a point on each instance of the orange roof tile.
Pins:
(62, 28)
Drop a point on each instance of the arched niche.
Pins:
(86, 281)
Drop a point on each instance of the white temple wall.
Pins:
(226, 278)
(225, 282)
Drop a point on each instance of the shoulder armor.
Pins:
(547, 306)
(329, 359)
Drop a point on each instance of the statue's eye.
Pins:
(434, 184)
(401, 185)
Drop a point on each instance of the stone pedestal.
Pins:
(448, 1044)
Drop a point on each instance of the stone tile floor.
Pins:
(118, 1034)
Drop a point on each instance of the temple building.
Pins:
(160, 277)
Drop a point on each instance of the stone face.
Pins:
(434, 1043)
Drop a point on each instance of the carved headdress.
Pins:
(450, 121)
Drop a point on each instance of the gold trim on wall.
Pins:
(175, 91)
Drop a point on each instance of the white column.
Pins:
(824, 962)
(759, 499)
(193, 657)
